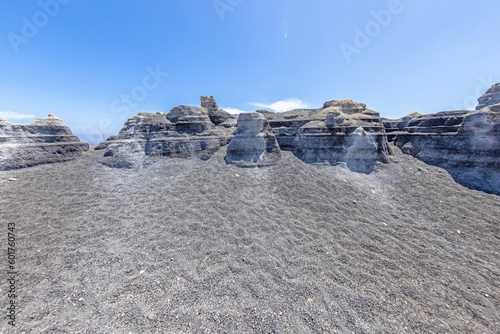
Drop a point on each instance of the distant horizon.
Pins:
(95, 64)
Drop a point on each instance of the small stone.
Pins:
(141, 272)
(12, 179)
(459, 232)
(486, 295)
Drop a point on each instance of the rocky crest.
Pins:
(465, 143)
(254, 144)
(491, 97)
(216, 114)
(45, 140)
(184, 132)
(394, 126)
(340, 132)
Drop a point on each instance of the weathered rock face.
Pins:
(254, 144)
(491, 97)
(394, 126)
(184, 132)
(340, 132)
(361, 151)
(45, 140)
(216, 114)
(465, 143)
(426, 136)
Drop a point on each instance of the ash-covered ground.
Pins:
(189, 246)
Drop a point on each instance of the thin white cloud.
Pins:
(234, 111)
(283, 105)
(9, 115)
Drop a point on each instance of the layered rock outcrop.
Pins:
(45, 140)
(216, 114)
(465, 143)
(254, 144)
(395, 126)
(184, 132)
(341, 132)
(491, 97)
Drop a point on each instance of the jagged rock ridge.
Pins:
(184, 132)
(491, 97)
(394, 126)
(465, 143)
(341, 132)
(45, 140)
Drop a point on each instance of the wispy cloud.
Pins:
(283, 105)
(9, 115)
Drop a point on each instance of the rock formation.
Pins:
(184, 132)
(394, 126)
(491, 97)
(340, 132)
(45, 140)
(216, 115)
(254, 144)
(465, 143)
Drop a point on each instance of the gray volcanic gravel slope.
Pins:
(186, 246)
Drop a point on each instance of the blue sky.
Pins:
(96, 63)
